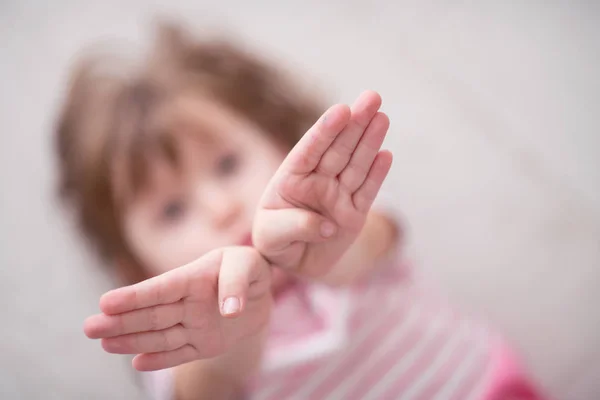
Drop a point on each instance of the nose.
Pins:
(222, 206)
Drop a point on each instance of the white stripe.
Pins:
(266, 391)
(482, 383)
(159, 385)
(396, 335)
(373, 293)
(470, 363)
(330, 367)
(425, 378)
(320, 343)
(408, 359)
(371, 326)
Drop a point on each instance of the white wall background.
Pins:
(495, 110)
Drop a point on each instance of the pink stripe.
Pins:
(353, 360)
(363, 298)
(506, 376)
(432, 330)
(366, 310)
(361, 334)
(412, 374)
(370, 378)
(292, 309)
(445, 371)
(385, 290)
(476, 373)
(370, 306)
(291, 381)
(370, 360)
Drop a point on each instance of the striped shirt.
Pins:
(384, 339)
(393, 341)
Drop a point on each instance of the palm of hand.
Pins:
(178, 316)
(208, 333)
(334, 173)
(322, 194)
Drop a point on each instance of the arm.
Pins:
(315, 217)
(377, 238)
(223, 377)
(185, 317)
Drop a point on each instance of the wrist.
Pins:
(378, 237)
(243, 360)
(223, 377)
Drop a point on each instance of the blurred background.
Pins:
(495, 110)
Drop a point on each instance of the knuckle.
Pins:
(306, 222)
(153, 319)
(259, 234)
(137, 342)
(122, 324)
(250, 252)
(345, 147)
(245, 253)
(165, 340)
(358, 169)
(263, 240)
(254, 257)
(159, 292)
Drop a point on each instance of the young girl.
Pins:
(244, 224)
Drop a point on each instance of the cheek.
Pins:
(264, 170)
(252, 182)
(160, 250)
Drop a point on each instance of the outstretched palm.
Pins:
(333, 174)
(175, 317)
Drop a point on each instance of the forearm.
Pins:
(223, 377)
(378, 236)
(200, 380)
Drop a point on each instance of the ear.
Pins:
(128, 271)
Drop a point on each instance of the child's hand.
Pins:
(317, 203)
(179, 316)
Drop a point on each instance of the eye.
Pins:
(228, 164)
(173, 210)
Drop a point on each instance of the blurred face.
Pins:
(208, 200)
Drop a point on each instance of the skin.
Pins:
(308, 214)
(211, 199)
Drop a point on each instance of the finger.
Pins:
(275, 230)
(365, 195)
(167, 288)
(165, 359)
(242, 268)
(147, 342)
(337, 156)
(147, 319)
(361, 161)
(307, 153)
(162, 289)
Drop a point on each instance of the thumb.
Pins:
(275, 230)
(244, 275)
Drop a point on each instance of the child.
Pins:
(256, 262)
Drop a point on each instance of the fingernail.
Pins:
(327, 229)
(231, 305)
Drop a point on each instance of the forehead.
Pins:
(209, 123)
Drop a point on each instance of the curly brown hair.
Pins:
(114, 117)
